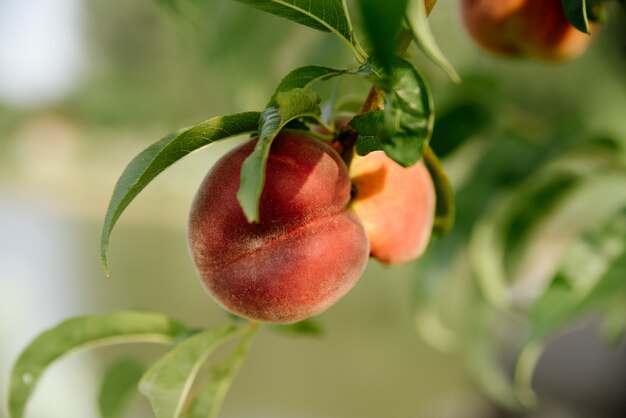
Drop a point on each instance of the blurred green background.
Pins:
(86, 85)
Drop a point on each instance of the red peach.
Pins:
(306, 252)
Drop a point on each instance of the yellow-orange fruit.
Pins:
(395, 204)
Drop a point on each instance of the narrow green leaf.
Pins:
(80, 333)
(408, 115)
(444, 206)
(323, 15)
(576, 12)
(290, 105)
(120, 381)
(382, 21)
(591, 275)
(209, 401)
(369, 126)
(482, 359)
(160, 155)
(168, 381)
(303, 77)
(418, 22)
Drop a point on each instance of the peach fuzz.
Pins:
(536, 29)
(306, 252)
(395, 204)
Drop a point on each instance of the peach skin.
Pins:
(306, 252)
(395, 204)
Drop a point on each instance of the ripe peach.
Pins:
(306, 252)
(395, 204)
(523, 28)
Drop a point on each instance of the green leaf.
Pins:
(455, 125)
(408, 115)
(482, 359)
(576, 12)
(168, 381)
(444, 206)
(208, 402)
(369, 126)
(323, 15)
(591, 279)
(290, 105)
(80, 333)
(382, 22)
(418, 21)
(120, 381)
(160, 155)
(591, 275)
(308, 327)
(303, 77)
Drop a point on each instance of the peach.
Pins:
(306, 252)
(395, 204)
(523, 28)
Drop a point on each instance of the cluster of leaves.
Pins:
(528, 252)
(168, 383)
(402, 129)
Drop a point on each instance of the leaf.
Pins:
(408, 111)
(382, 21)
(160, 155)
(576, 12)
(444, 206)
(303, 77)
(482, 359)
(591, 275)
(308, 327)
(591, 279)
(168, 381)
(290, 105)
(417, 18)
(368, 125)
(323, 15)
(119, 382)
(462, 122)
(80, 333)
(209, 401)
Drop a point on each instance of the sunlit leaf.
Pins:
(160, 155)
(168, 381)
(119, 383)
(208, 402)
(323, 15)
(417, 17)
(290, 105)
(303, 77)
(80, 333)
